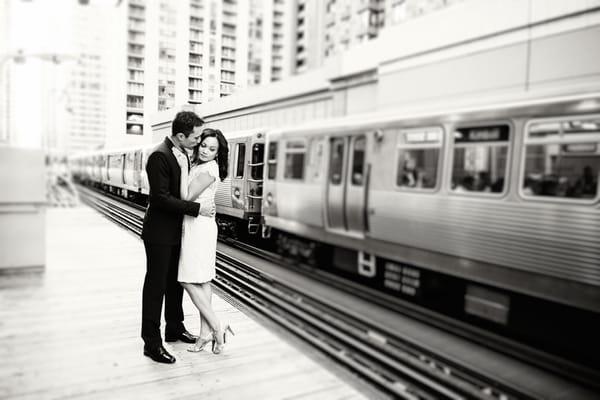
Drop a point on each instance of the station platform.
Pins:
(72, 331)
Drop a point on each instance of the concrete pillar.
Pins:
(22, 208)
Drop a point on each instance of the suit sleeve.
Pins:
(160, 195)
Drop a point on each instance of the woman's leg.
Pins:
(202, 303)
(220, 335)
(205, 330)
(207, 288)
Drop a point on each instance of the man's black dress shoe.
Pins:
(159, 354)
(184, 336)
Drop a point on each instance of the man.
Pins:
(162, 236)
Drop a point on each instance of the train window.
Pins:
(418, 158)
(295, 152)
(115, 161)
(358, 160)
(272, 160)
(480, 159)
(562, 158)
(336, 161)
(258, 154)
(240, 160)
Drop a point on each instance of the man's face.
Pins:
(192, 140)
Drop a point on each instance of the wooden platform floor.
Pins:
(72, 331)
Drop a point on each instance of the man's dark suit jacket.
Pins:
(164, 215)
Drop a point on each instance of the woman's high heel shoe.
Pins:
(217, 348)
(200, 343)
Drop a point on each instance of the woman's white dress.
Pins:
(199, 236)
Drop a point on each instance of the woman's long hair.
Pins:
(222, 158)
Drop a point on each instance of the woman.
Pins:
(199, 240)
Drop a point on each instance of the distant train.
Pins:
(122, 172)
(489, 213)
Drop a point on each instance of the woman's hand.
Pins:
(204, 178)
(199, 184)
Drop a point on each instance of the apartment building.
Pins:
(184, 52)
(271, 40)
(325, 28)
(81, 124)
(398, 11)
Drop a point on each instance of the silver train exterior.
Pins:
(492, 195)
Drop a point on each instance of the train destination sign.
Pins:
(496, 133)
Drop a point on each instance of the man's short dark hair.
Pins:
(184, 122)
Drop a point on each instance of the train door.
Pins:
(346, 184)
(238, 174)
(123, 158)
(137, 169)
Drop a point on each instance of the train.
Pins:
(488, 213)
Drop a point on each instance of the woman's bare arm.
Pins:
(199, 185)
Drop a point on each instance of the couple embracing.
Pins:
(180, 236)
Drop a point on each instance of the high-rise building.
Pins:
(270, 43)
(256, 49)
(167, 45)
(348, 23)
(85, 97)
(218, 48)
(398, 11)
(323, 29)
(4, 73)
(136, 57)
(184, 52)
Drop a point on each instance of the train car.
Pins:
(115, 171)
(489, 213)
(79, 165)
(135, 180)
(98, 166)
(121, 171)
(84, 168)
(144, 188)
(238, 199)
(239, 196)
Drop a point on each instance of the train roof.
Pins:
(244, 133)
(589, 102)
(113, 151)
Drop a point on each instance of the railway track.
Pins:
(129, 216)
(395, 366)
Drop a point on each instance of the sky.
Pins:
(38, 29)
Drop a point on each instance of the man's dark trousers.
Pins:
(161, 279)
